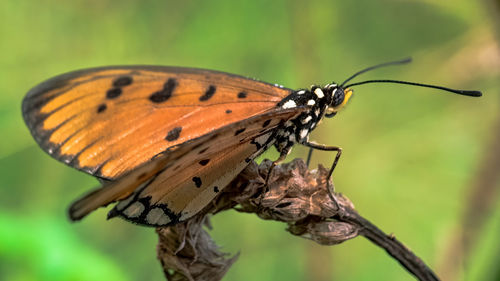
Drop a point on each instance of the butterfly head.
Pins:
(339, 98)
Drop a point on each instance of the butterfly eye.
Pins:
(338, 97)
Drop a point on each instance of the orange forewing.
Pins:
(104, 121)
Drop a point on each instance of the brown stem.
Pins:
(390, 244)
(294, 195)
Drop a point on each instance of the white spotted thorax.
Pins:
(318, 102)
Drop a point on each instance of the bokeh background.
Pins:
(419, 163)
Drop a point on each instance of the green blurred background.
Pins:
(419, 163)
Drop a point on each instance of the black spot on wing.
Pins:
(216, 189)
(266, 123)
(242, 95)
(229, 111)
(113, 93)
(165, 93)
(122, 81)
(239, 131)
(101, 108)
(197, 181)
(204, 162)
(209, 93)
(174, 134)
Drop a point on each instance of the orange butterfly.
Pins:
(165, 140)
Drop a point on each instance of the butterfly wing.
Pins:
(108, 121)
(178, 183)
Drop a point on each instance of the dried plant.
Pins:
(294, 195)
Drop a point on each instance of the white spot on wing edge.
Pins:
(134, 210)
(311, 102)
(157, 216)
(289, 104)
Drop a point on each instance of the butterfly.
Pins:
(164, 141)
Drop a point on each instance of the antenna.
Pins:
(460, 92)
(398, 62)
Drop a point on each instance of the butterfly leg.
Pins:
(323, 147)
(309, 156)
(330, 186)
(280, 159)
